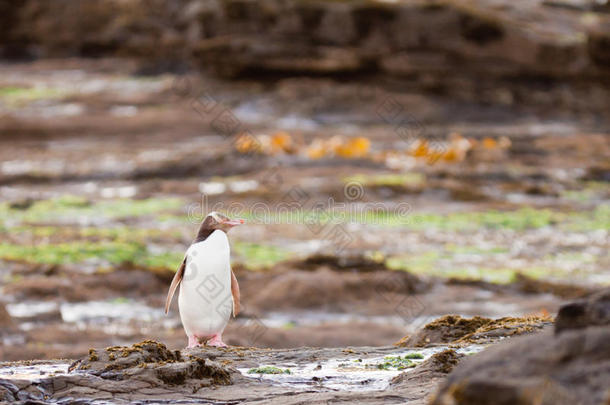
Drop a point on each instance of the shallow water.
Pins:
(90, 312)
(346, 374)
(33, 372)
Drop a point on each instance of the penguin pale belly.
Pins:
(205, 299)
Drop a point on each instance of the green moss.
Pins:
(120, 233)
(394, 363)
(518, 220)
(423, 263)
(256, 256)
(598, 219)
(18, 96)
(78, 252)
(455, 249)
(435, 264)
(268, 370)
(588, 191)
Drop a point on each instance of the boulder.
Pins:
(593, 311)
(570, 366)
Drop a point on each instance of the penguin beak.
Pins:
(234, 222)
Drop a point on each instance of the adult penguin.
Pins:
(209, 292)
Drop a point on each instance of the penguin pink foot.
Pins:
(193, 342)
(216, 341)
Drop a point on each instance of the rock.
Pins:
(440, 363)
(146, 371)
(150, 359)
(7, 391)
(150, 373)
(341, 263)
(322, 287)
(455, 329)
(5, 317)
(571, 368)
(145, 368)
(418, 42)
(531, 285)
(593, 311)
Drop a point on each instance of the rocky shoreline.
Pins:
(567, 365)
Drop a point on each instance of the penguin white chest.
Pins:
(205, 300)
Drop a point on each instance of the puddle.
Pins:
(95, 311)
(314, 318)
(88, 312)
(34, 371)
(353, 374)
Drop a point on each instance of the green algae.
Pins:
(256, 256)
(269, 370)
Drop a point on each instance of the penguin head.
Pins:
(216, 220)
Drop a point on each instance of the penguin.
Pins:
(209, 292)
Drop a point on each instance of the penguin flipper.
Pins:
(175, 283)
(235, 293)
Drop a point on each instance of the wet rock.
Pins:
(593, 311)
(23, 204)
(598, 173)
(455, 329)
(573, 367)
(418, 42)
(599, 45)
(129, 282)
(145, 370)
(152, 359)
(439, 364)
(561, 368)
(5, 318)
(7, 391)
(178, 381)
(341, 263)
(328, 289)
(123, 357)
(530, 285)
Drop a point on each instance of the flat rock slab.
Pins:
(148, 371)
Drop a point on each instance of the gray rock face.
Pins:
(466, 48)
(5, 318)
(594, 311)
(570, 367)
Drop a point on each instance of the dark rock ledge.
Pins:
(570, 365)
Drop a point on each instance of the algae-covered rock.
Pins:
(151, 361)
(455, 329)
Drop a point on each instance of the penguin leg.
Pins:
(193, 341)
(216, 341)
